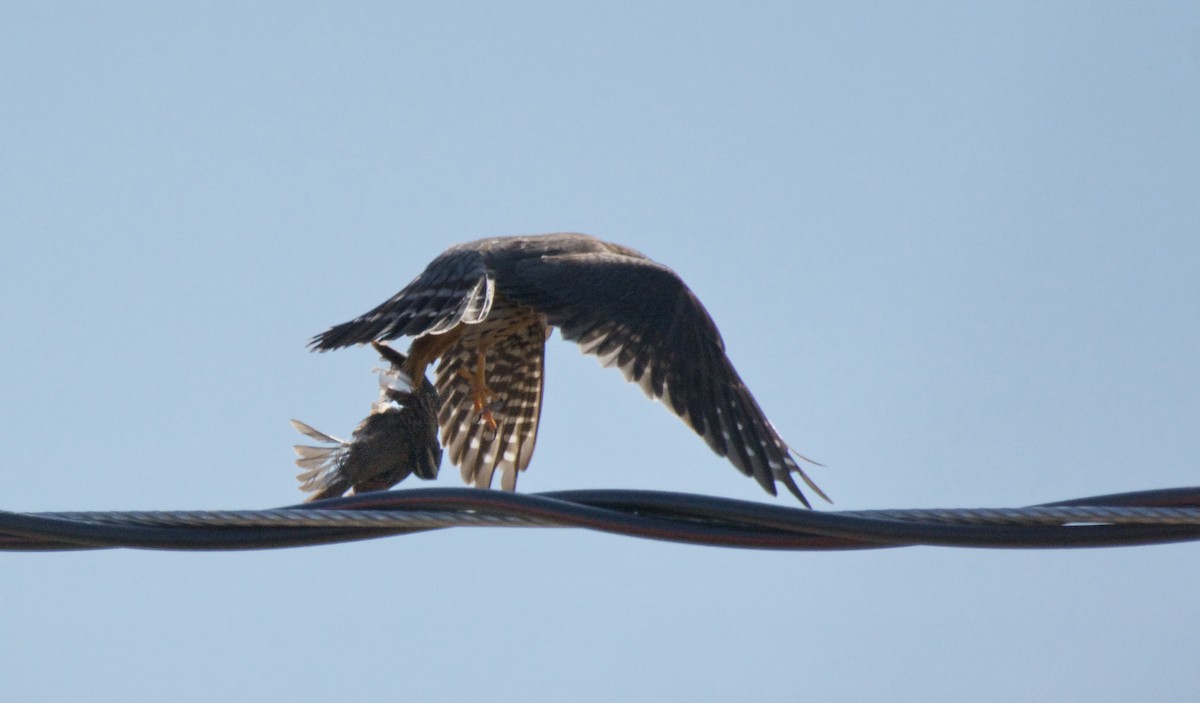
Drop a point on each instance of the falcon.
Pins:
(484, 309)
(397, 439)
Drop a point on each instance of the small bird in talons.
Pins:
(398, 439)
(484, 309)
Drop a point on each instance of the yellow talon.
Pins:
(481, 395)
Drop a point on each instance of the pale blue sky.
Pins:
(952, 248)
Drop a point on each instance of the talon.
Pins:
(482, 397)
(485, 413)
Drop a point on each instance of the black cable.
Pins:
(872, 532)
(22, 532)
(676, 517)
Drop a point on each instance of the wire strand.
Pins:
(1146, 517)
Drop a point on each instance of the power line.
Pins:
(1147, 517)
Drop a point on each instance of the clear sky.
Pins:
(953, 249)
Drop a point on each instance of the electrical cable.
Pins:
(1145, 517)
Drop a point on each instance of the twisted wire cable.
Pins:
(1147, 517)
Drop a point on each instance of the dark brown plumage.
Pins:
(485, 308)
(397, 439)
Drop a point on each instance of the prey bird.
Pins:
(397, 439)
(484, 310)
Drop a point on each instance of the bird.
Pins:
(397, 439)
(484, 310)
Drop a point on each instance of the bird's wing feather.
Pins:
(640, 316)
(455, 287)
(514, 374)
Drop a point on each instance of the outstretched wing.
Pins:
(455, 287)
(514, 375)
(639, 316)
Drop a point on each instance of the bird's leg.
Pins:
(427, 348)
(481, 395)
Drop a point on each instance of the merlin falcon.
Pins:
(484, 309)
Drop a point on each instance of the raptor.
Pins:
(484, 309)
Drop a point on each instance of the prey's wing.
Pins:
(455, 287)
(640, 316)
(514, 375)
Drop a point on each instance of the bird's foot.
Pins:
(487, 418)
(482, 398)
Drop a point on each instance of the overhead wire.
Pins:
(1126, 519)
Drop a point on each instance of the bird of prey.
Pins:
(484, 309)
(397, 439)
